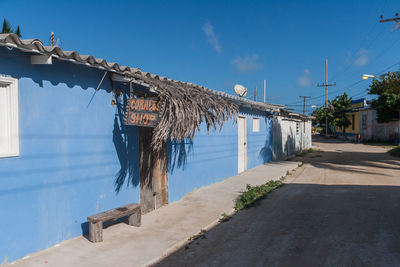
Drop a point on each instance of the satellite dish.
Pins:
(240, 90)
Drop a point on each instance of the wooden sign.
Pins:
(142, 112)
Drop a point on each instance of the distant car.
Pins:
(316, 130)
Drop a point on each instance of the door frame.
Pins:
(243, 145)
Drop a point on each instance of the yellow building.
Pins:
(353, 116)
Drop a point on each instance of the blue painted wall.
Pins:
(259, 144)
(214, 156)
(68, 161)
(210, 158)
(70, 155)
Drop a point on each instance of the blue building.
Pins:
(65, 152)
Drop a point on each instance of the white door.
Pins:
(242, 144)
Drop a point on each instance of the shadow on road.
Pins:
(305, 225)
(313, 224)
(358, 160)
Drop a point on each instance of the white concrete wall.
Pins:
(290, 137)
(370, 129)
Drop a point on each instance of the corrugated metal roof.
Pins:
(36, 46)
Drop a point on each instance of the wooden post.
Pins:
(96, 232)
(135, 219)
(153, 173)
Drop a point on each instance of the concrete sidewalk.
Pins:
(162, 230)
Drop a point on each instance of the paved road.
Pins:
(341, 208)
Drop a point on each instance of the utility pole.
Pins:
(326, 85)
(397, 19)
(265, 90)
(304, 103)
(255, 93)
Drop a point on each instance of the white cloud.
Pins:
(305, 79)
(247, 63)
(362, 57)
(212, 38)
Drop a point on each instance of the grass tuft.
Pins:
(224, 218)
(395, 151)
(254, 193)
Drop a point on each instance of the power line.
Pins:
(354, 54)
(396, 18)
(354, 57)
(348, 87)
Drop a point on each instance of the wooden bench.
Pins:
(96, 221)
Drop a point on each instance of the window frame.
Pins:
(13, 138)
(256, 129)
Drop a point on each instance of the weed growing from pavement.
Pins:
(197, 236)
(225, 217)
(254, 193)
(395, 151)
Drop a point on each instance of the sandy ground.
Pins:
(341, 208)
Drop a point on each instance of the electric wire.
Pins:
(349, 86)
(355, 56)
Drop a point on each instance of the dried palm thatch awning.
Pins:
(186, 105)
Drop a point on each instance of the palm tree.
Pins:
(18, 32)
(7, 28)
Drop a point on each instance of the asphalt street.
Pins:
(341, 208)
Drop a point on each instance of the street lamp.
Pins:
(367, 76)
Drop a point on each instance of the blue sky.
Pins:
(220, 43)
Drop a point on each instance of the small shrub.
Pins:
(254, 193)
(395, 151)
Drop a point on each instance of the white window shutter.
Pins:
(256, 124)
(9, 132)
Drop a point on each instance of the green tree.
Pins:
(7, 28)
(321, 114)
(341, 105)
(387, 88)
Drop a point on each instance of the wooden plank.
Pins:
(115, 213)
(160, 183)
(142, 111)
